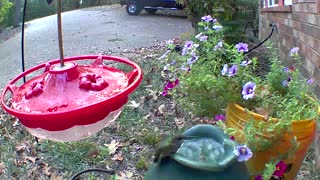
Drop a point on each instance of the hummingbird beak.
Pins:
(189, 137)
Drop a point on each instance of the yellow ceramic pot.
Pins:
(304, 130)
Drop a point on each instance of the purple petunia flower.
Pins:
(280, 169)
(166, 67)
(242, 47)
(203, 38)
(198, 35)
(286, 82)
(310, 81)
(224, 69)
(188, 44)
(294, 51)
(193, 53)
(184, 51)
(233, 70)
(164, 55)
(170, 41)
(248, 90)
(285, 69)
(259, 177)
(219, 117)
(164, 93)
(245, 63)
(216, 27)
(243, 153)
(184, 68)
(169, 85)
(218, 46)
(207, 18)
(193, 59)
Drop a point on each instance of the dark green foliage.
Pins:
(5, 6)
(237, 16)
(40, 8)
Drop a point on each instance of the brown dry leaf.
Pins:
(20, 148)
(2, 167)
(30, 158)
(93, 153)
(124, 175)
(179, 123)
(134, 104)
(31, 171)
(265, 111)
(112, 147)
(162, 109)
(46, 170)
(117, 157)
(152, 94)
(147, 117)
(53, 176)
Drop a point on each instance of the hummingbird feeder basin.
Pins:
(73, 101)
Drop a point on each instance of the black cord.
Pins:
(76, 176)
(22, 45)
(274, 26)
(22, 38)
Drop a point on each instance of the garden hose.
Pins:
(76, 176)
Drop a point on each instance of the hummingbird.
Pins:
(169, 146)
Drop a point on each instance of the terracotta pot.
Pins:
(304, 130)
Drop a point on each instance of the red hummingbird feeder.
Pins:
(69, 101)
(74, 101)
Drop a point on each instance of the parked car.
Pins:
(134, 7)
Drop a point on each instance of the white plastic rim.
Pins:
(75, 133)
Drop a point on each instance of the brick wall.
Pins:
(298, 26)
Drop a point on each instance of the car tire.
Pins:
(133, 8)
(151, 11)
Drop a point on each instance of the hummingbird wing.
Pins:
(156, 156)
(49, 1)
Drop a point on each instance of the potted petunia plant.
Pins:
(271, 110)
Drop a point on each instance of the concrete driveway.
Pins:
(88, 31)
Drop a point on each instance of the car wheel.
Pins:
(151, 11)
(133, 8)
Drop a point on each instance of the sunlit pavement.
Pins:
(88, 31)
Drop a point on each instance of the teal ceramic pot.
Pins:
(208, 156)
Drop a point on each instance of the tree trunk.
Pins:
(17, 13)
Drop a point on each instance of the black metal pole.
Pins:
(22, 38)
(22, 45)
(274, 26)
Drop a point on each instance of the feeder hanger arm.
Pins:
(59, 10)
(274, 26)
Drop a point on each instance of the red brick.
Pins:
(309, 66)
(304, 7)
(313, 31)
(299, 16)
(315, 58)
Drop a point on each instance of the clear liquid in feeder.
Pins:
(72, 102)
